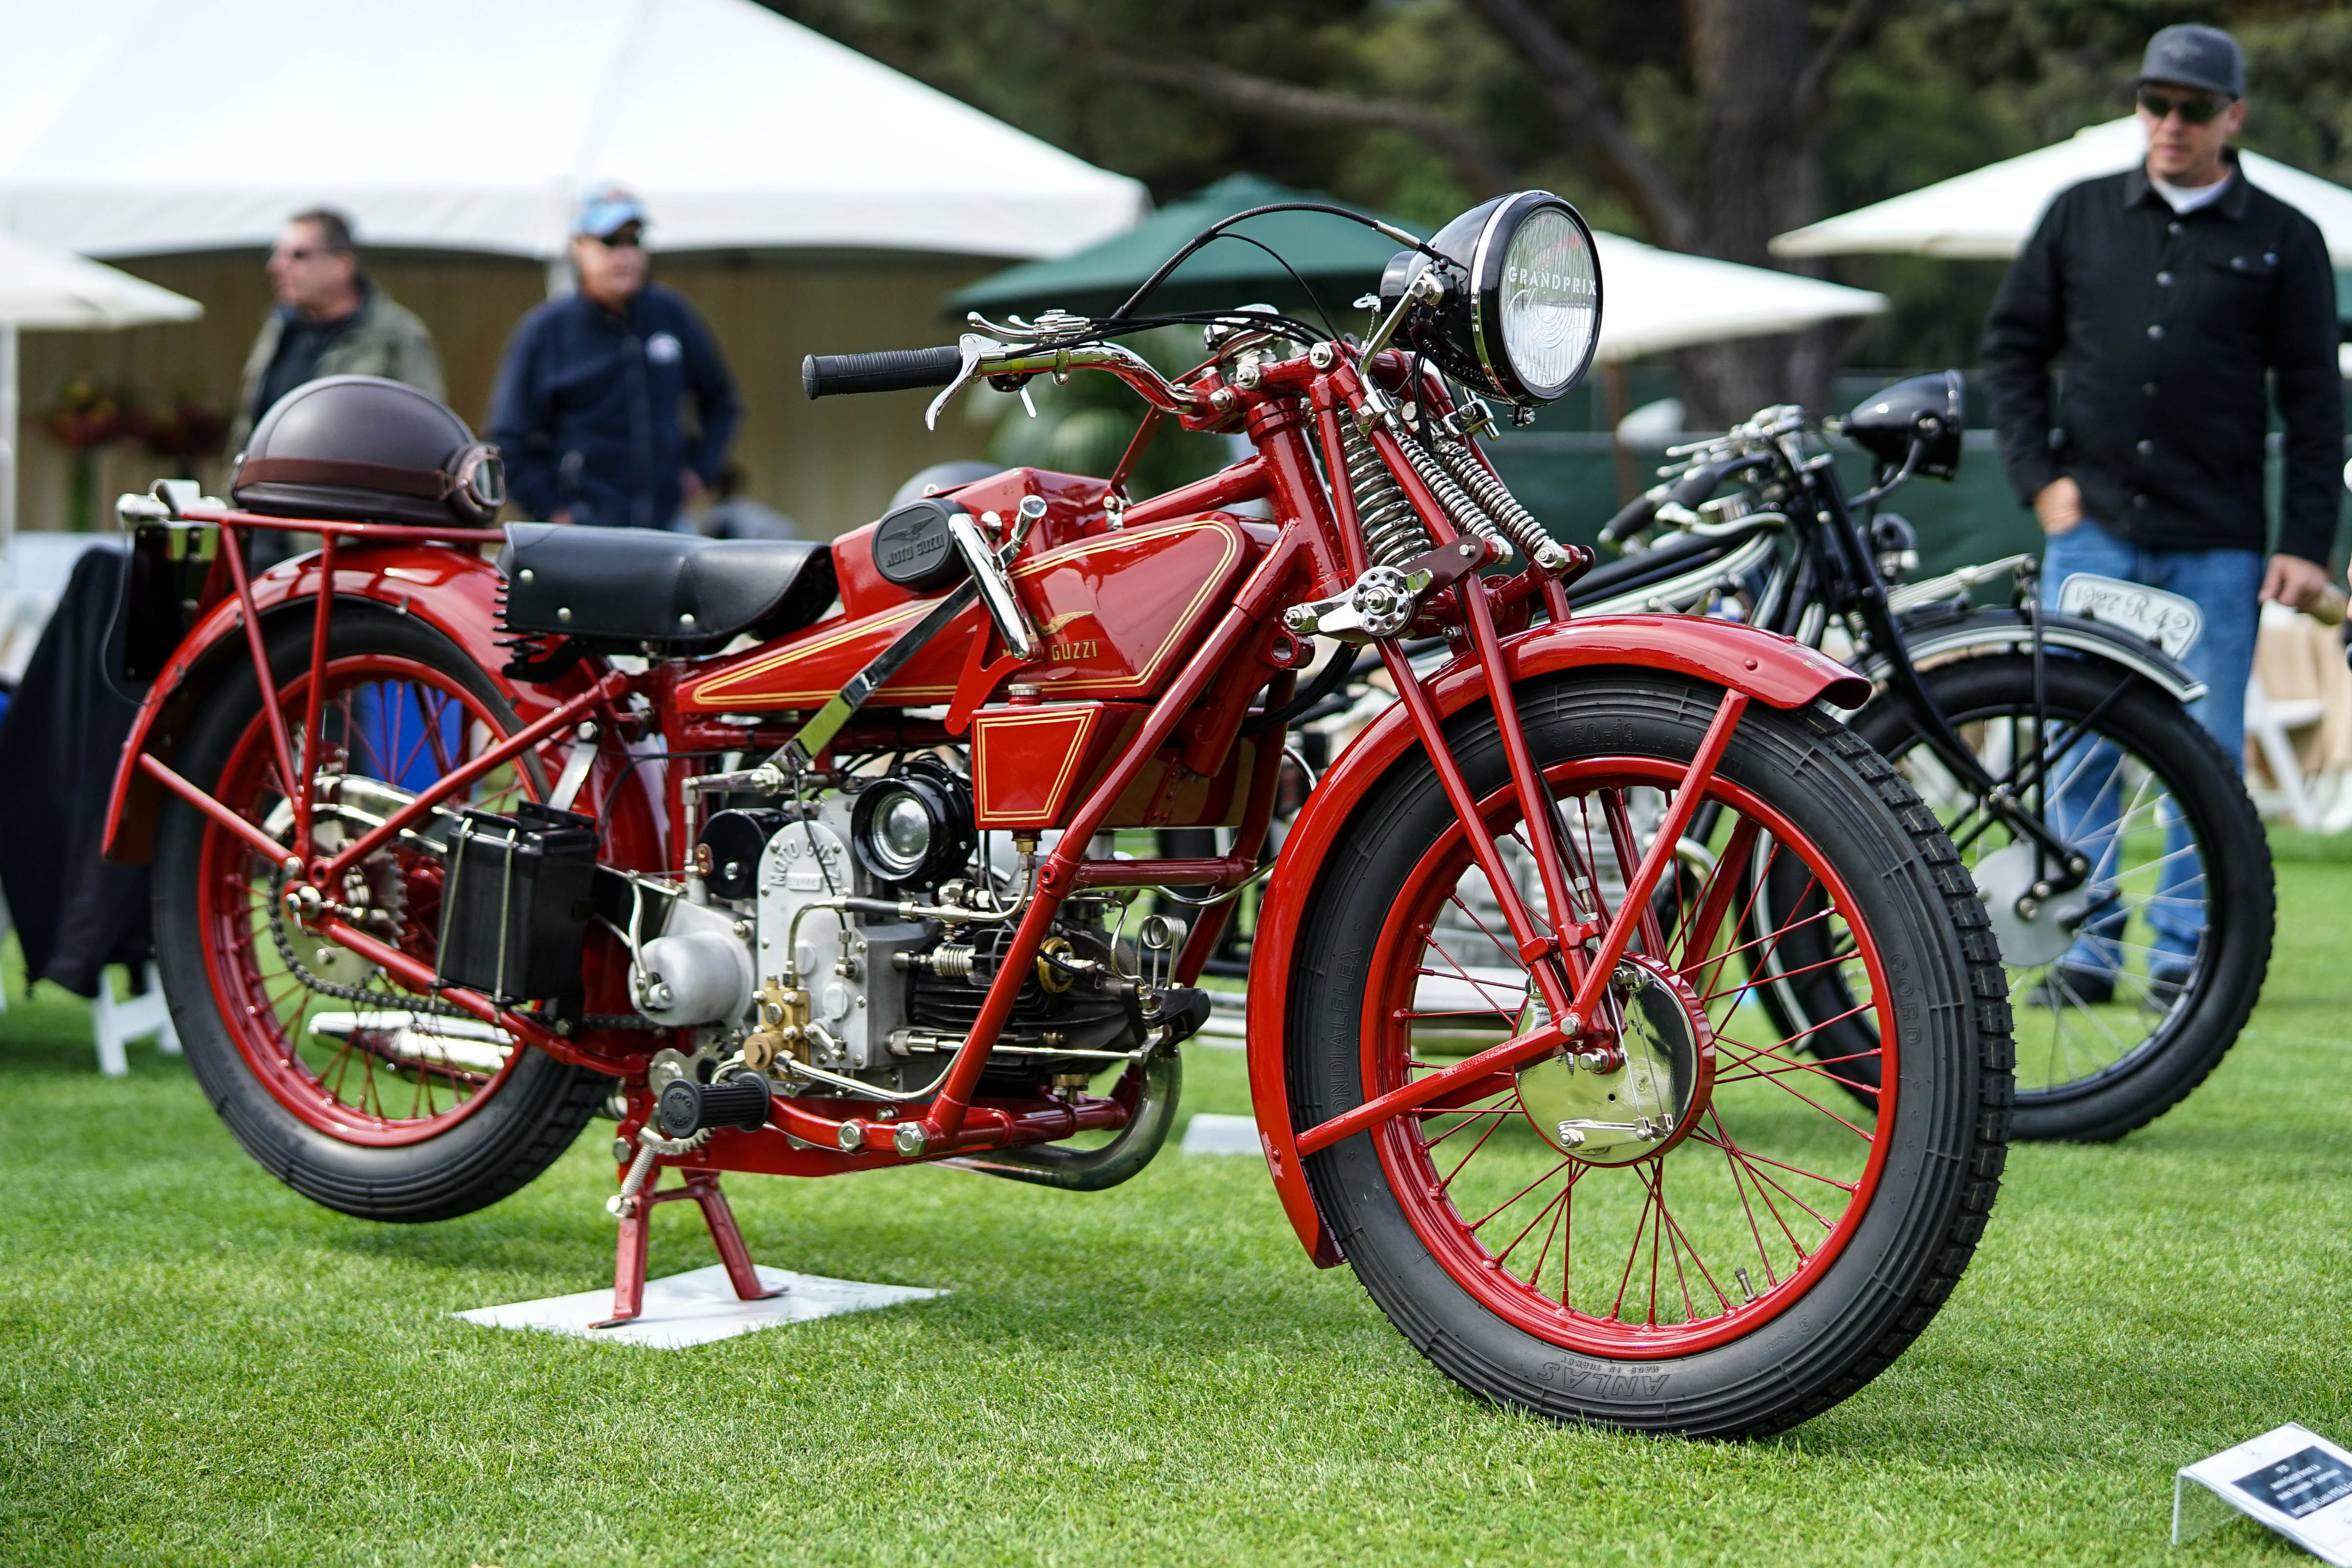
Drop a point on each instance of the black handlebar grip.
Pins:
(1695, 486)
(888, 369)
(1630, 520)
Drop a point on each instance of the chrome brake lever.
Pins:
(974, 349)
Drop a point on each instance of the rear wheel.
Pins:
(1711, 1238)
(2129, 990)
(353, 1090)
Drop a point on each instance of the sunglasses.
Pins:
(2192, 110)
(626, 237)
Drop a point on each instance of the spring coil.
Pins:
(1516, 521)
(1392, 530)
(1467, 513)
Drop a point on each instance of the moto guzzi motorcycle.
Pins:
(805, 860)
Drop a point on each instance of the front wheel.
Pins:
(1713, 1239)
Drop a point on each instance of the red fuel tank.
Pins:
(1116, 611)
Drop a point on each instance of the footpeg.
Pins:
(688, 1107)
(1180, 1015)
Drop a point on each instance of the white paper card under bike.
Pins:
(790, 909)
(699, 1307)
(2290, 1479)
(2170, 621)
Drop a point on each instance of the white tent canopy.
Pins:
(47, 289)
(1991, 212)
(1653, 300)
(144, 127)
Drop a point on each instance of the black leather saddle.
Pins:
(621, 587)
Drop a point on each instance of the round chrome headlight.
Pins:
(1521, 313)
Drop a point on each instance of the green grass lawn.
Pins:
(196, 1366)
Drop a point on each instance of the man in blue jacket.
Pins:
(586, 411)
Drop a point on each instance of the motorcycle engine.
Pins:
(877, 917)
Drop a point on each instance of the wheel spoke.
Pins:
(387, 1073)
(1674, 1221)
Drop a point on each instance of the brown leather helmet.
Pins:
(371, 450)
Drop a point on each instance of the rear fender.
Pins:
(453, 591)
(1975, 632)
(1769, 668)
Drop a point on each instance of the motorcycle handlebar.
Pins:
(886, 370)
(1687, 491)
(1630, 520)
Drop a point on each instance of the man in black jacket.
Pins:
(2179, 294)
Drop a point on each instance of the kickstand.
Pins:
(637, 1228)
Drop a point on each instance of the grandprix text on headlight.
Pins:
(1547, 304)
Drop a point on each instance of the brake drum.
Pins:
(1612, 1108)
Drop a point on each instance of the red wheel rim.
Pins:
(398, 721)
(1678, 1253)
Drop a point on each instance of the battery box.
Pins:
(516, 903)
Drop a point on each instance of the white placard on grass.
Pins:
(2290, 1479)
(697, 1307)
(1210, 1134)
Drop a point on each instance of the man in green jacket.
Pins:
(332, 319)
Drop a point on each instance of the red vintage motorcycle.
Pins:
(804, 860)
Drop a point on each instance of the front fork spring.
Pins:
(1515, 521)
(1466, 514)
(1393, 532)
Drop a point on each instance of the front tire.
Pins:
(1781, 1248)
(417, 1120)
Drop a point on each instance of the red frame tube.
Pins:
(232, 547)
(229, 519)
(1057, 875)
(262, 843)
(312, 698)
(521, 740)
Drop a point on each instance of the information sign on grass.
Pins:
(2290, 1479)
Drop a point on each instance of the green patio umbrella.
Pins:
(1338, 260)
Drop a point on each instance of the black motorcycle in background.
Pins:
(2121, 860)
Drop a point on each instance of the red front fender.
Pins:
(453, 591)
(1769, 668)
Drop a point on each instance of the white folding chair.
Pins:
(117, 1023)
(2269, 724)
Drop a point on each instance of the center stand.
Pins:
(636, 1209)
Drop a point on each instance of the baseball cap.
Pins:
(606, 208)
(2196, 56)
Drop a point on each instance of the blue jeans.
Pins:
(2086, 790)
